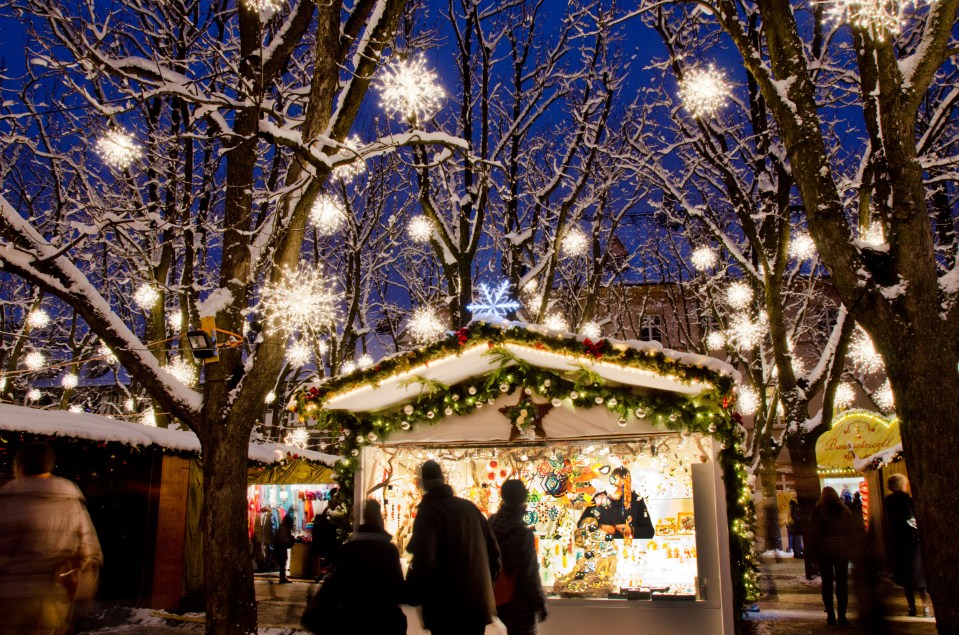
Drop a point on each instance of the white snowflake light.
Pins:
(743, 333)
(715, 340)
(494, 304)
(118, 149)
(704, 258)
(38, 319)
(298, 438)
(424, 326)
(748, 402)
(183, 371)
(845, 396)
(420, 229)
(75, 408)
(863, 354)
(703, 91)
(347, 367)
(802, 247)
(356, 166)
(409, 88)
(575, 243)
(303, 301)
(556, 322)
(364, 361)
(591, 330)
(885, 398)
(739, 295)
(149, 417)
(146, 296)
(34, 394)
(70, 381)
(328, 214)
(298, 354)
(107, 354)
(34, 360)
(270, 397)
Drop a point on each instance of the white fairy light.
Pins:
(298, 438)
(70, 381)
(107, 354)
(34, 394)
(872, 235)
(715, 340)
(880, 18)
(704, 258)
(703, 91)
(798, 365)
(863, 354)
(129, 405)
(556, 322)
(175, 321)
(591, 330)
(424, 326)
(420, 229)
(347, 367)
(34, 360)
(38, 319)
(146, 296)
(323, 347)
(3, 382)
(149, 417)
(739, 295)
(75, 408)
(845, 396)
(802, 247)
(575, 243)
(743, 333)
(328, 214)
(409, 88)
(303, 301)
(748, 402)
(270, 397)
(183, 371)
(885, 398)
(263, 6)
(356, 166)
(118, 149)
(364, 361)
(299, 354)
(531, 286)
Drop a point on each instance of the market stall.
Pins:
(621, 445)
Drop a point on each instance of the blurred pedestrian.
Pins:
(283, 541)
(831, 534)
(324, 543)
(794, 529)
(907, 569)
(523, 602)
(455, 560)
(49, 552)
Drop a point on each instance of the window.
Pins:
(651, 329)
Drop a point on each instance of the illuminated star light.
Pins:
(328, 214)
(270, 397)
(149, 417)
(424, 326)
(38, 319)
(715, 340)
(118, 149)
(885, 398)
(704, 258)
(357, 165)
(364, 361)
(494, 303)
(420, 229)
(591, 330)
(575, 243)
(802, 247)
(183, 371)
(739, 295)
(748, 402)
(303, 301)
(863, 354)
(743, 333)
(556, 322)
(299, 354)
(34, 394)
(298, 437)
(107, 354)
(34, 360)
(873, 235)
(880, 18)
(845, 396)
(70, 381)
(703, 91)
(146, 296)
(409, 88)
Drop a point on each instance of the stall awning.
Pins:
(297, 472)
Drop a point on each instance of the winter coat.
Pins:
(794, 526)
(831, 532)
(45, 531)
(518, 553)
(904, 541)
(324, 536)
(455, 560)
(367, 585)
(284, 535)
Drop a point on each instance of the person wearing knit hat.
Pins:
(455, 560)
(520, 598)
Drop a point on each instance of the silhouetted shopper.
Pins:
(831, 531)
(794, 530)
(455, 560)
(282, 543)
(907, 569)
(49, 552)
(525, 603)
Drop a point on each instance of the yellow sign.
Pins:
(856, 434)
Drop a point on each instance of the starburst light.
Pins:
(863, 354)
(881, 19)
(704, 258)
(845, 396)
(703, 91)
(75, 408)
(743, 333)
(299, 354)
(408, 88)
(424, 326)
(149, 417)
(175, 321)
(885, 398)
(556, 322)
(128, 405)
(303, 301)
(328, 214)
(146, 296)
(183, 371)
(748, 402)
(715, 340)
(34, 360)
(356, 166)
(270, 397)
(34, 394)
(494, 304)
(38, 319)
(298, 438)
(591, 330)
(70, 381)
(364, 361)
(347, 367)
(107, 354)
(118, 149)
(739, 295)
(420, 229)
(575, 243)
(802, 247)
(873, 235)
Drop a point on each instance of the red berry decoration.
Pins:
(502, 473)
(492, 463)
(491, 476)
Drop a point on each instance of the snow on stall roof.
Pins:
(883, 456)
(83, 425)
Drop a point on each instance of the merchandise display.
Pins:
(611, 518)
(304, 501)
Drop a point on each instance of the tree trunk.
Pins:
(802, 456)
(227, 567)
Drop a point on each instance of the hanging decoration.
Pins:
(715, 340)
(739, 295)
(748, 402)
(494, 303)
(34, 394)
(425, 326)
(863, 354)
(802, 247)
(146, 296)
(526, 418)
(703, 91)
(408, 88)
(107, 354)
(118, 149)
(591, 330)
(704, 258)
(845, 396)
(575, 243)
(34, 360)
(183, 371)
(556, 322)
(885, 398)
(38, 319)
(70, 381)
(881, 19)
(328, 214)
(303, 301)
(744, 333)
(355, 165)
(299, 354)
(420, 229)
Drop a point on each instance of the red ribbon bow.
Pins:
(594, 348)
(461, 336)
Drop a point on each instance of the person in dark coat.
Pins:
(831, 534)
(455, 560)
(282, 543)
(907, 569)
(794, 530)
(517, 549)
(324, 543)
(366, 581)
